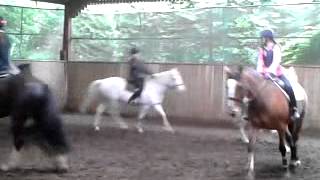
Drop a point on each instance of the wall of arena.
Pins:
(203, 102)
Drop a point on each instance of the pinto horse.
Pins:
(267, 109)
(237, 108)
(112, 90)
(35, 118)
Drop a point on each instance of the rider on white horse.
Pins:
(137, 73)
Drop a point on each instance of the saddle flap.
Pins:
(281, 85)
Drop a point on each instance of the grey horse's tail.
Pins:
(302, 114)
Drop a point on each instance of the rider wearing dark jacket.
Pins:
(4, 47)
(137, 72)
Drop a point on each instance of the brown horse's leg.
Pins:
(282, 148)
(293, 136)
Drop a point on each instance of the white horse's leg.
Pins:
(61, 162)
(98, 116)
(242, 125)
(115, 113)
(166, 124)
(143, 111)
(13, 161)
(251, 149)
(288, 150)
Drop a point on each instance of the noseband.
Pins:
(236, 100)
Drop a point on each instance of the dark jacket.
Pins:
(137, 69)
(4, 51)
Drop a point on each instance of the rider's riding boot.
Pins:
(133, 97)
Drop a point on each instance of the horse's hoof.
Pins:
(295, 163)
(97, 128)
(124, 126)
(140, 130)
(61, 163)
(4, 167)
(169, 129)
(245, 140)
(250, 175)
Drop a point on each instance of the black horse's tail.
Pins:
(296, 126)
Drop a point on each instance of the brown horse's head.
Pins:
(235, 93)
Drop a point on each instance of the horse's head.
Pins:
(177, 81)
(236, 94)
(172, 79)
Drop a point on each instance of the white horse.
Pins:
(238, 110)
(112, 91)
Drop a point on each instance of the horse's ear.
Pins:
(227, 69)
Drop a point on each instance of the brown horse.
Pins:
(268, 108)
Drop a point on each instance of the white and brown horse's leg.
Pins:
(242, 124)
(13, 161)
(166, 124)
(97, 118)
(292, 138)
(61, 162)
(251, 148)
(114, 110)
(143, 111)
(282, 148)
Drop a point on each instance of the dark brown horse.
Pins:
(268, 108)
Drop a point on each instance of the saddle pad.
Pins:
(298, 90)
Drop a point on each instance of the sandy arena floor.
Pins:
(189, 154)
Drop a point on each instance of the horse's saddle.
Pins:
(281, 85)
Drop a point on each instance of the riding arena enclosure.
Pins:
(197, 41)
(202, 109)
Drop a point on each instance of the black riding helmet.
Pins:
(134, 50)
(268, 34)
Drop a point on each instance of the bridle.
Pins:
(238, 100)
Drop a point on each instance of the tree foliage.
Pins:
(229, 34)
(36, 34)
